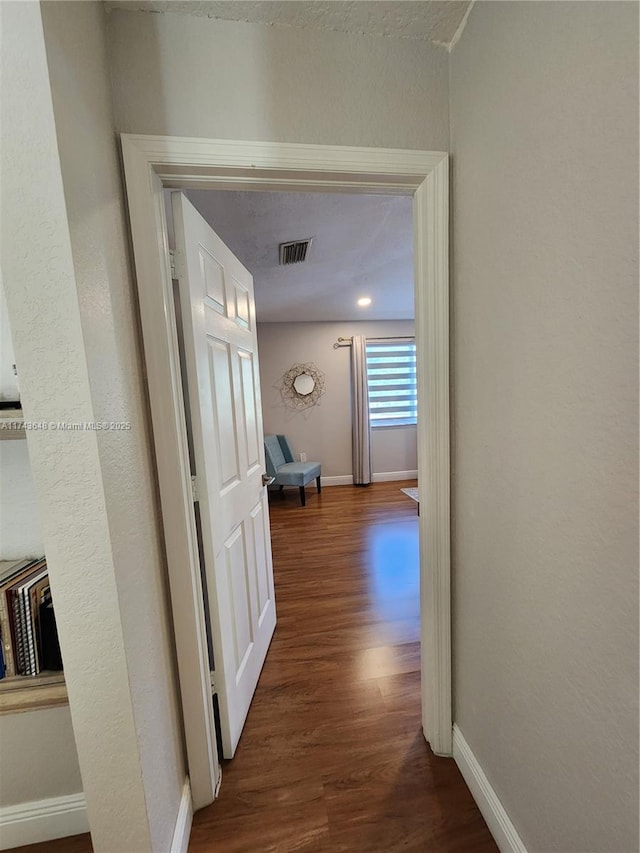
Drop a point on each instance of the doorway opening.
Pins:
(308, 312)
(153, 164)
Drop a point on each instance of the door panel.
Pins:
(220, 349)
(264, 586)
(224, 412)
(213, 276)
(238, 578)
(252, 442)
(242, 304)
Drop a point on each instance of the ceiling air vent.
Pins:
(294, 252)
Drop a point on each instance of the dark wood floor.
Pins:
(332, 757)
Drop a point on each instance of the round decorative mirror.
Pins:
(301, 386)
(304, 384)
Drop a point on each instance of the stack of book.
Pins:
(28, 635)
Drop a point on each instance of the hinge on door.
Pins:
(177, 266)
(194, 488)
(212, 677)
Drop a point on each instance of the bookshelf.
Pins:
(32, 692)
(47, 689)
(9, 418)
(26, 683)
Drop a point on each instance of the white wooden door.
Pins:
(223, 389)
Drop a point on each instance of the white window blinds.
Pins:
(391, 374)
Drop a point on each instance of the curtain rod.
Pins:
(346, 342)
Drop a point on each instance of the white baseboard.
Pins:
(59, 817)
(341, 480)
(391, 476)
(182, 830)
(43, 820)
(385, 477)
(498, 821)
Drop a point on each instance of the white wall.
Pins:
(194, 76)
(72, 310)
(20, 528)
(8, 380)
(544, 109)
(20, 525)
(324, 430)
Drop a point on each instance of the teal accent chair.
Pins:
(286, 472)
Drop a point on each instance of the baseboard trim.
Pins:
(341, 480)
(182, 830)
(498, 821)
(391, 476)
(43, 820)
(384, 477)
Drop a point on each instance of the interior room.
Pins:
(361, 249)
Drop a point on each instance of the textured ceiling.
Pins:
(433, 20)
(362, 246)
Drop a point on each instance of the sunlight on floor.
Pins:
(393, 557)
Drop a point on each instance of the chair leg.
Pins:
(319, 487)
(303, 499)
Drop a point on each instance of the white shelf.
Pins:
(12, 424)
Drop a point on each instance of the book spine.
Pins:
(35, 598)
(17, 634)
(5, 634)
(50, 646)
(30, 646)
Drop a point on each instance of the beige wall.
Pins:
(324, 430)
(193, 76)
(8, 380)
(71, 307)
(37, 756)
(544, 312)
(20, 526)
(76, 51)
(544, 117)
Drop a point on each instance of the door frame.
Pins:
(154, 163)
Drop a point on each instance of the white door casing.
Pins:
(152, 163)
(221, 360)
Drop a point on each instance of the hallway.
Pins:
(332, 757)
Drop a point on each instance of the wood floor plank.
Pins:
(72, 844)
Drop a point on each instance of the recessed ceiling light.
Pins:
(364, 301)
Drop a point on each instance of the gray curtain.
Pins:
(360, 412)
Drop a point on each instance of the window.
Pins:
(391, 374)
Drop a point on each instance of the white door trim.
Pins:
(154, 162)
